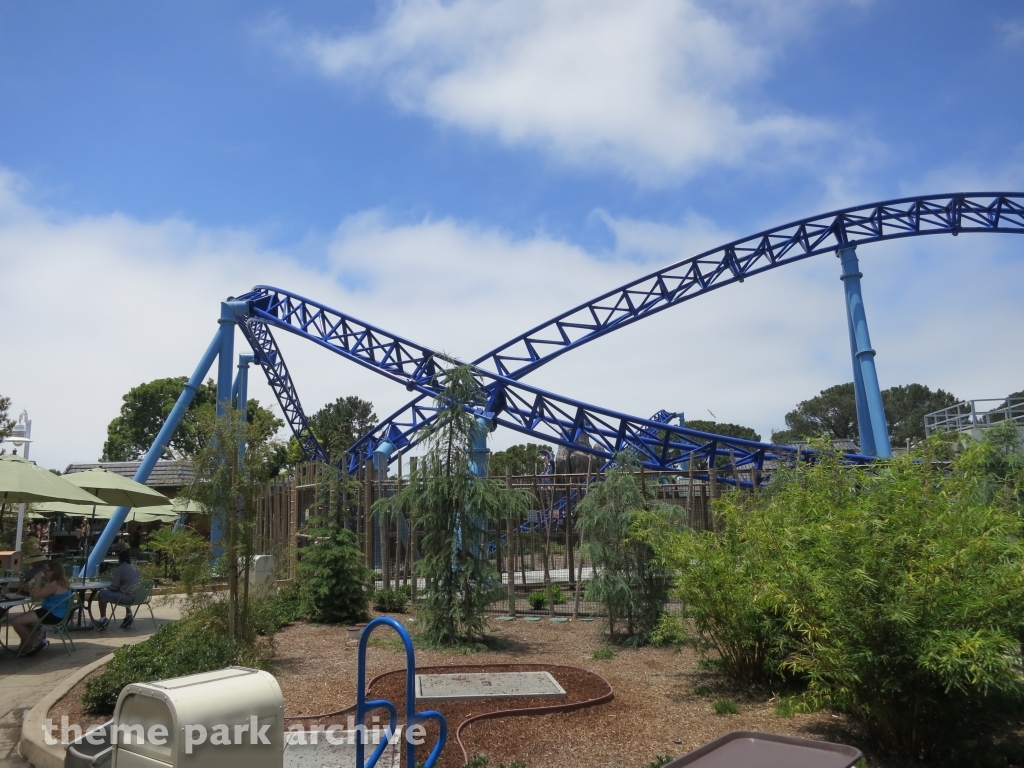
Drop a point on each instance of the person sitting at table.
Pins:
(121, 590)
(34, 565)
(54, 594)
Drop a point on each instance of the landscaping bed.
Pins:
(655, 702)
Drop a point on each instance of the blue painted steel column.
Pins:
(865, 378)
(155, 452)
(478, 446)
(229, 313)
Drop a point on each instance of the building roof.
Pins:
(166, 474)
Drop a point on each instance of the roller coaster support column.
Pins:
(240, 396)
(229, 313)
(478, 446)
(155, 451)
(874, 432)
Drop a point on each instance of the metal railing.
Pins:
(975, 414)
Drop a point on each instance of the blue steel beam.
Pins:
(679, 282)
(504, 401)
(156, 450)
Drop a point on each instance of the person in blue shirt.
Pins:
(55, 594)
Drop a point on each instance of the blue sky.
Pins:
(459, 171)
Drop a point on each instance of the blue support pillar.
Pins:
(478, 446)
(870, 413)
(230, 311)
(155, 452)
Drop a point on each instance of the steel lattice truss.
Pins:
(568, 422)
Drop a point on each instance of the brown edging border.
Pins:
(518, 712)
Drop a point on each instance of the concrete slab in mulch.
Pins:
(326, 755)
(485, 685)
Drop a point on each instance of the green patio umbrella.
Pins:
(21, 481)
(106, 511)
(116, 490)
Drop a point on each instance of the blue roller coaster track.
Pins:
(554, 418)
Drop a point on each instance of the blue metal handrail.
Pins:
(412, 717)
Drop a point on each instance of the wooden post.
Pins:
(368, 513)
(511, 549)
(570, 561)
(412, 533)
(293, 524)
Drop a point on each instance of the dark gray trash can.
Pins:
(747, 749)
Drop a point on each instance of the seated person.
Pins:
(121, 590)
(54, 594)
(34, 565)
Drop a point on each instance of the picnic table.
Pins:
(87, 590)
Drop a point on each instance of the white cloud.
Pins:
(655, 89)
(1012, 33)
(95, 305)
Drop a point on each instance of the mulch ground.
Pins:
(656, 710)
(662, 697)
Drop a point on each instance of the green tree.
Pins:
(6, 423)
(227, 484)
(333, 583)
(521, 459)
(833, 412)
(723, 428)
(629, 580)
(339, 424)
(895, 592)
(454, 508)
(905, 408)
(146, 408)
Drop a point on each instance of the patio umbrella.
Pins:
(104, 512)
(116, 490)
(23, 482)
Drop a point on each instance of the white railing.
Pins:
(975, 414)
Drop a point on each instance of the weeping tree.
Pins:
(454, 508)
(628, 578)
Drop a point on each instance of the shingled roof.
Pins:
(166, 474)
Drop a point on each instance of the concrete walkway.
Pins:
(24, 682)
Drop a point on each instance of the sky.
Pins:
(457, 172)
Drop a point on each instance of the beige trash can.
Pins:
(230, 718)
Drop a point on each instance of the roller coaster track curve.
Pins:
(416, 366)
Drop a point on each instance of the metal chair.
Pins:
(142, 596)
(74, 603)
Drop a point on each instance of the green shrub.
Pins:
(629, 579)
(181, 555)
(389, 601)
(659, 761)
(197, 643)
(333, 582)
(669, 631)
(539, 599)
(702, 690)
(725, 707)
(895, 591)
(604, 653)
(406, 589)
